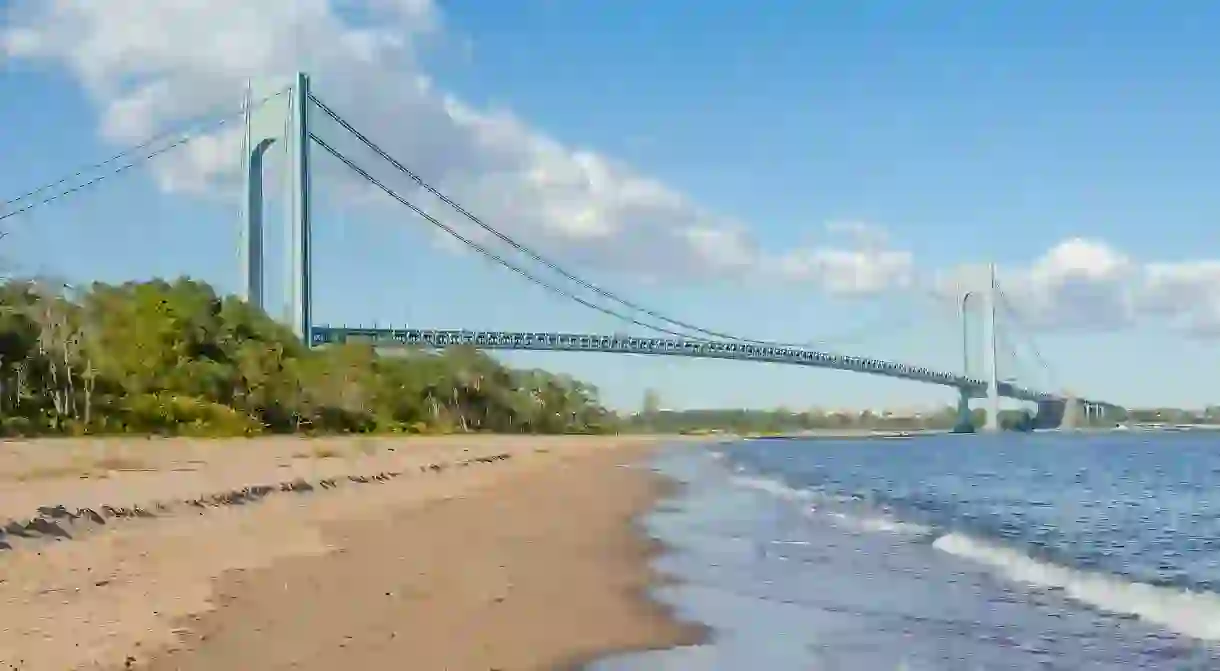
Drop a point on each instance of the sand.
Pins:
(456, 553)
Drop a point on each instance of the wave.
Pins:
(774, 487)
(852, 521)
(879, 523)
(1186, 612)
(1183, 611)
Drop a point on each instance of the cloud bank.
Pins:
(148, 64)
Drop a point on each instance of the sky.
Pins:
(834, 173)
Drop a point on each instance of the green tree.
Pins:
(175, 357)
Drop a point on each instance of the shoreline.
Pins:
(689, 633)
(466, 565)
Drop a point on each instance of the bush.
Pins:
(167, 413)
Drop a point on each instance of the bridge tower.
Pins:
(284, 117)
(990, 360)
(965, 419)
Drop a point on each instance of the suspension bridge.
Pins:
(291, 125)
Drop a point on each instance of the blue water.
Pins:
(1074, 552)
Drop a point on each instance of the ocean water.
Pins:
(1043, 551)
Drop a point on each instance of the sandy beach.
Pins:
(425, 553)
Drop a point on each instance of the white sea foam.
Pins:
(873, 523)
(773, 487)
(1190, 613)
(878, 523)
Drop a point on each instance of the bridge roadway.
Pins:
(704, 349)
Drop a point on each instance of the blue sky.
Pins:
(969, 132)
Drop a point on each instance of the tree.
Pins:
(175, 357)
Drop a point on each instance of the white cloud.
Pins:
(865, 264)
(1077, 284)
(1081, 284)
(1186, 293)
(148, 64)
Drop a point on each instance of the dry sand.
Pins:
(454, 553)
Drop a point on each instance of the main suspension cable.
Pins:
(484, 250)
(182, 139)
(534, 255)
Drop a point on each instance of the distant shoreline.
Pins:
(845, 433)
(841, 434)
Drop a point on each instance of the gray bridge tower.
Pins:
(281, 117)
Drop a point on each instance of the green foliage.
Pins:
(176, 358)
(169, 413)
(1016, 420)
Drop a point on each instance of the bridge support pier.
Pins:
(1049, 415)
(1072, 411)
(965, 417)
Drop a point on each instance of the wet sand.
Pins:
(524, 562)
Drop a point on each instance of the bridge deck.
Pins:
(625, 344)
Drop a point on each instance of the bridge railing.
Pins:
(558, 341)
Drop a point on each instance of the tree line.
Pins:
(174, 357)
(757, 421)
(652, 418)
